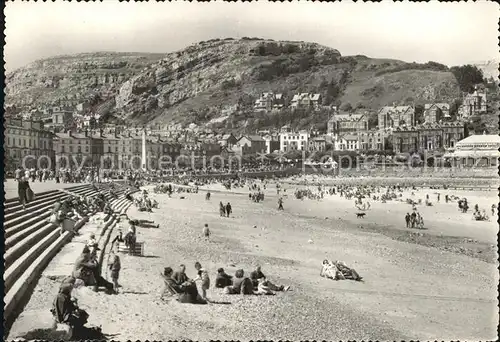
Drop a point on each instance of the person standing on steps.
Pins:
(23, 188)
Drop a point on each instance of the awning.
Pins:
(473, 154)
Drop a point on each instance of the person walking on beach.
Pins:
(222, 209)
(229, 209)
(206, 232)
(280, 204)
(407, 219)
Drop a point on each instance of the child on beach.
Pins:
(114, 267)
(206, 232)
(205, 280)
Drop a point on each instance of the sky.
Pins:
(448, 33)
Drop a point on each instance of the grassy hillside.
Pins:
(194, 84)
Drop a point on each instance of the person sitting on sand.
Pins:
(257, 276)
(223, 279)
(263, 288)
(185, 293)
(180, 276)
(241, 284)
(328, 270)
(86, 269)
(65, 309)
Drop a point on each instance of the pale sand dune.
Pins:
(410, 291)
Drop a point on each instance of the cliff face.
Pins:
(71, 79)
(195, 84)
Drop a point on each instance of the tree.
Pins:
(372, 120)
(467, 76)
(419, 114)
(347, 107)
(455, 104)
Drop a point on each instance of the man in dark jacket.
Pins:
(223, 279)
(180, 276)
(65, 309)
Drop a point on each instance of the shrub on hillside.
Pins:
(467, 76)
(434, 66)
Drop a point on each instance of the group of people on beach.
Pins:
(182, 288)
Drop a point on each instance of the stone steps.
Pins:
(31, 241)
(12, 207)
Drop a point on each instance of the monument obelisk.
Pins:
(143, 159)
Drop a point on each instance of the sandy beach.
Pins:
(410, 291)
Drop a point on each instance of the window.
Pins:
(71, 149)
(79, 149)
(86, 149)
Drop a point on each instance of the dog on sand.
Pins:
(360, 215)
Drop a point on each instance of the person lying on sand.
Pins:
(258, 277)
(338, 270)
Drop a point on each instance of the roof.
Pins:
(347, 117)
(392, 109)
(480, 139)
(350, 137)
(255, 138)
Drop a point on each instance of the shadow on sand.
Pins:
(81, 334)
(133, 292)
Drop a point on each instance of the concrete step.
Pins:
(17, 218)
(19, 232)
(38, 197)
(20, 290)
(16, 199)
(21, 273)
(52, 198)
(16, 251)
(15, 268)
(31, 251)
(43, 204)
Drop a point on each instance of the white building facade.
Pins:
(294, 141)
